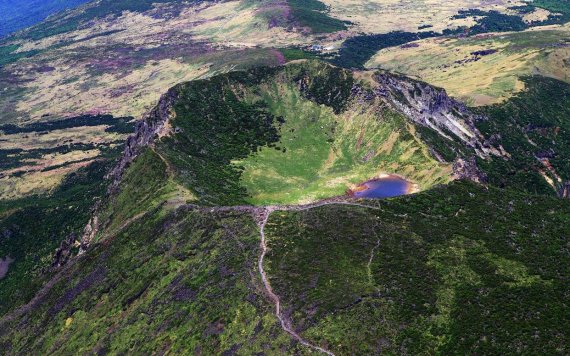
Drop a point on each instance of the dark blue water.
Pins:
(18, 14)
(383, 188)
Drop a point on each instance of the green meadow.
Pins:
(322, 154)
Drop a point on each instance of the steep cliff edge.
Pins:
(431, 107)
(152, 126)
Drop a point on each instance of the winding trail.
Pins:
(261, 215)
(369, 265)
(285, 323)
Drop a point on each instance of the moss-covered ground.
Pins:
(321, 154)
(184, 282)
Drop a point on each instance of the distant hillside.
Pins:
(19, 14)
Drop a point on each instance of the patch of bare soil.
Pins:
(4, 265)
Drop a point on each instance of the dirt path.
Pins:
(369, 265)
(285, 323)
(261, 216)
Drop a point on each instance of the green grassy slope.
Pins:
(320, 154)
(183, 282)
(146, 185)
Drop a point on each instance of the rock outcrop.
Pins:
(154, 125)
(467, 169)
(564, 190)
(428, 106)
(65, 251)
(90, 231)
(145, 131)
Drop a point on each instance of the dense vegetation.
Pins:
(292, 54)
(116, 124)
(460, 269)
(531, 126)
(206, 120)
(561, 7)
(456, 270)
(492, 21)
(312, 14)
(145, 186)
(356, 51)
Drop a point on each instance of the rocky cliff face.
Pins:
(64, 252)
(468, 169)
(154, 125)
(433, 108)
(564, 190)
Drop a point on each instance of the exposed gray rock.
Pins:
(432, 107)
(4, 265)
(467, 169)
(64, 252)
(146, 130)
(564, 190)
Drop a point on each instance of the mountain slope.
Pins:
(473, 271)
(308, 131)
(200, 244)
(230, 223)
(454, 270)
